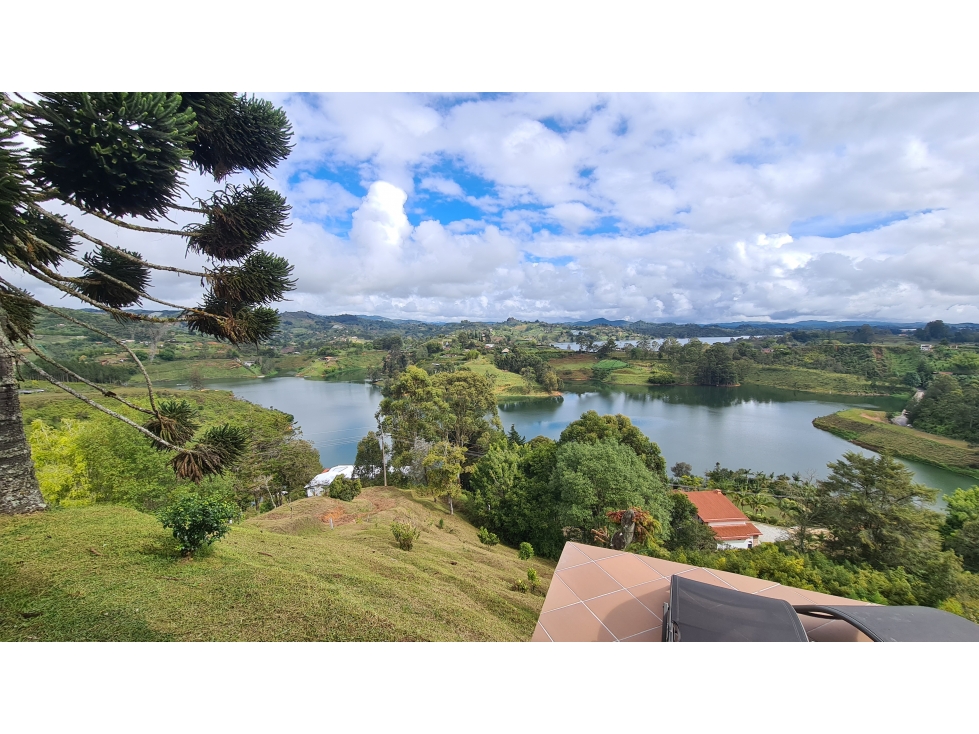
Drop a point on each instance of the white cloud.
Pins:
(708, 191)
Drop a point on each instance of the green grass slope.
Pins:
(111, 573)
(870, 429)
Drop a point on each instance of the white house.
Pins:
(325, 477)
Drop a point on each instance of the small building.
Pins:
(322, 480)
(925, 347)
(732, 527)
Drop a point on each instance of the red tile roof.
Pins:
(712, 506)
(736, 532)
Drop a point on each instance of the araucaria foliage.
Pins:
(123, 158)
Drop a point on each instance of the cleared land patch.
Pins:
(871, 430)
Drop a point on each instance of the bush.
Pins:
(344, 489)
(405, 533)
(526, 551)
(520, 585)
(197, 521)
(487, 538)
(533, 579)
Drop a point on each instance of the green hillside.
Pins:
(112, 573)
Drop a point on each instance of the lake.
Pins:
(751, 427)
(625, 343)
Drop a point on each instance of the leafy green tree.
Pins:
(873, 511)
(949, 407)
(591, 479)
(369, 464)
(344, 489)
(715, 367)
(443, 466)
(412, 408)
(686, 530)
(606, 350)
(469, 397)
(117, 157)
(592, 427)
(681, 468)
(961, 527)
(864, 335)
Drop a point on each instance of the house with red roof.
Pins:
(730, 525)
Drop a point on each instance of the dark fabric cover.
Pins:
(707, 613)
(901, 624)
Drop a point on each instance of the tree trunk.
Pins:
(19, 490)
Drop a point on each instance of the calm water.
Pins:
(623, 343)
(762, 429)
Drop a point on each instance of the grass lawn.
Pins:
(111, 573)
(798, 378)
(870, 429)
(179, 370)
(505, 384)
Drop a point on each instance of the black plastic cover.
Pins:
(707, 613)
(900, 624)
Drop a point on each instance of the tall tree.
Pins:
(122, 158)
(873, 511)
(592, 428)
(715, 367)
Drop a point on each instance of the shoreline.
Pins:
(907, 443)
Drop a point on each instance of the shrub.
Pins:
(197, 521)
(520, 585)
(526, 551)
(487, 538)
(532, 578)
(405, 533)
(344, 489)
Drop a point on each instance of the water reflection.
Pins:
(757, 428)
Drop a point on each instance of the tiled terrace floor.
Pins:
(601, 595)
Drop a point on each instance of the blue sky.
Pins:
(678, 207)
(697, 207)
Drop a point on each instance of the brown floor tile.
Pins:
(628, 570)
(622, 614)
(588, 581)
(571, 556)
(574, 624)
(792, 596)
(653, 635)
(747, 584)
(596, 553)
(667, 568)
(652, 595)
(558, 595)
(540, 635)
(706, 577)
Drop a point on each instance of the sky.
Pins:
(661, 207)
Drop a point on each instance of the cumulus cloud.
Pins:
(666, 207)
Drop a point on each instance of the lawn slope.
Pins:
(111, 573)
(871, 430)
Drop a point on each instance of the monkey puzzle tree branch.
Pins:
(95, 329)
(120, 252)
(136, 227)
(106, 393)
(101, 306)
(120, 283)
(88, 401)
